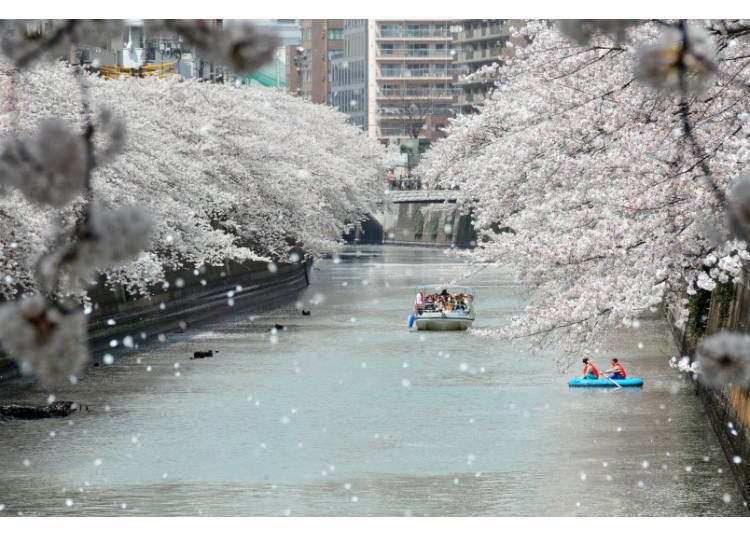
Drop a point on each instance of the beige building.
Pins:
(480, 42)
(410, 75)
(309, 64)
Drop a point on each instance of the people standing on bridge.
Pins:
(589, 370)
(617, 371)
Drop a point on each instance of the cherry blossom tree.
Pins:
(599, 168)
(132, 178)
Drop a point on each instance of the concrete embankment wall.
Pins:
(729, 408)
(189, 300)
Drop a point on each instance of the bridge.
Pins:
(421, 196)
(428, 217)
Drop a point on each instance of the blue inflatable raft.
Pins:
(604, 382)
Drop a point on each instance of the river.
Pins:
(347, 412)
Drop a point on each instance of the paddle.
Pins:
(613, 381)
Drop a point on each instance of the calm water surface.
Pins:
(348, 413)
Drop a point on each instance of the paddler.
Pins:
(589, 370)
(617, 371)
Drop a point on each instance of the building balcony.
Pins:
(417, 93)
(478, 34)
(391, 132)
(386, 116)
(410, 75)
(477, 80)
(484, 54)
(426, 54)
(471, 98)
(412, 34)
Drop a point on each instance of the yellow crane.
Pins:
(159, 70)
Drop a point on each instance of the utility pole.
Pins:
(299, 62)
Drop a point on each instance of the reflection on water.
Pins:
(346, 412)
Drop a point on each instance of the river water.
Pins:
(347, 412)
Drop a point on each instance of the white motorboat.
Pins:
(446, 308)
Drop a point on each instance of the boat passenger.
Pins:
(419, 302)
(617, 371)
(589, 370)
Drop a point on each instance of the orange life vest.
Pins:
(593, 369)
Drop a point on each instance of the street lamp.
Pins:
(299, 62)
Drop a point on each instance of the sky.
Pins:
(397, 9)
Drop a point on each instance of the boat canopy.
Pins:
(453, 289)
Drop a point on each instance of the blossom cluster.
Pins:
(112, 237)
(723, 265)
(724, 358)
(46, 340)
(684, 364)
(49, 168)
(680, 62)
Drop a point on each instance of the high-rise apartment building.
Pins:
(479, 42)
(410, 75)
(309, 64)
(349, 74)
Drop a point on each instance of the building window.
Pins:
(386, 49)
(417, 30)
(335, 33)
(417, 69)
(390, 69)
(308, 34)
(390, 30)
(419, 49)
(333, 54)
